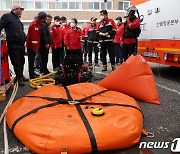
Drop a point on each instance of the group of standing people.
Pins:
(66, 39)
(116, 38)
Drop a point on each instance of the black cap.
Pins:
(118, 18)
(62, 18)
(41, 15)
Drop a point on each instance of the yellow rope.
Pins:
(43, 80)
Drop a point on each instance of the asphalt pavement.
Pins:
(163, 120)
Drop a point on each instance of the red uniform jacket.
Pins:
(57, 36)
(72, 38)
(119, 33)
(65, 29)
(132, 25)
(33, 36)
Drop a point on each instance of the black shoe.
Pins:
(34, 76)
(20, 82)
(104, 68)
(113, 67)
(25, 79)
(96, 64)
(46, 72)
(90, 64)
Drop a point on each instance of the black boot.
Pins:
(20, 82)
(104, 68)
(113, 67)
(25, 79)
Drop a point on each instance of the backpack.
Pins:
(131, 33)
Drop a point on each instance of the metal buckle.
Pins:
(150, 135)
(73, 102)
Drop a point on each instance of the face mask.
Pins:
(57, 23)
(64, 24)
(101, 17)
(72, 24)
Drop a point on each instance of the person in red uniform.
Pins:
(65, 26)
(57, 46)
(131, 26)
(118, 41)
(107, 29)
(92, 40)
(72, 39)
(33, 41)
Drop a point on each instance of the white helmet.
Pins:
(131, 8)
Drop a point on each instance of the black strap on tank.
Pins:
(86, 123)
(33, 111)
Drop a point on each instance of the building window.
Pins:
(41, 5)
(27, 4)
(70, 5)
(64, 5)
(6, 4)
(78, 5)
(96, 5)
(99, 5)
(123, 5)
(75, 5)
(102, 6)
(61, 5)
(58, 5)
(109, 5)
(90, 5)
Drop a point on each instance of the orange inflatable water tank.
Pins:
(54, 119)
(134, 78)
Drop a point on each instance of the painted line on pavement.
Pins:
(169, 89)
(17, 150)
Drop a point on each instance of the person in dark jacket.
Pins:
(15, 37)
(92, 35)
(107, 29)
(45, 43)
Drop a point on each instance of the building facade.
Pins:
(80, 9)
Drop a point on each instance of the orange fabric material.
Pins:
(60, 127)
(137, 2)
(134, 78)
